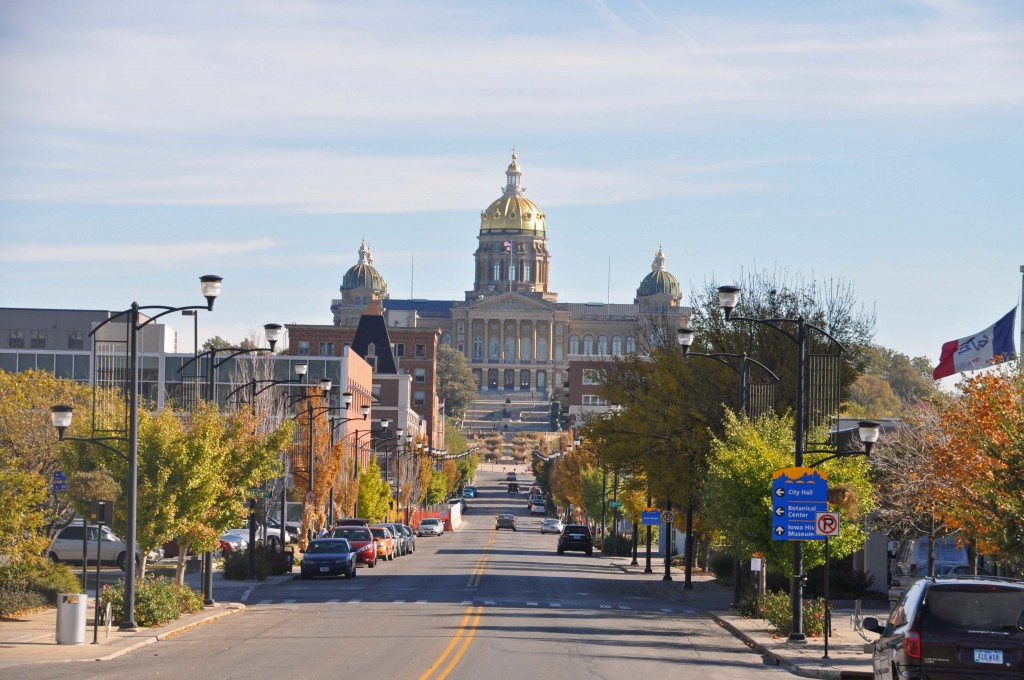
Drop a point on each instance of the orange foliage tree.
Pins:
(985, 456)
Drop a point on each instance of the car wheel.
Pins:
(590, 552)
(371, 565)
(304, 576)
(353, 574)
(53, 557)
(561, 551)
(122, 562)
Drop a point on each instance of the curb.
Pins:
(773, 659)
(233, 608)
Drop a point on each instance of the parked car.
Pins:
(401, 544)
(469, 492)
(430, 526)
(461, 502)
(385, 541)
(233, 542)
(505, 521)
(353, 522)
(328, 557)
(576, 537)
(551, 525)
(899, 584)
(67, 546)
(912, 554)
(513, 488)
(957, 627)
(410, 535)
(363, 544)
(291, 531)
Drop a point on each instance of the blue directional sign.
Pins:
(59, 476)
(798, 495)
(651, 517)
(60, 486)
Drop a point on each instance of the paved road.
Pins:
(471, 604)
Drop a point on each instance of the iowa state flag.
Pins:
(978, 350)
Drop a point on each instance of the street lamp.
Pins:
(311, 413)
(684, 337)
(728, 298)
(384, 422)
(210, 285)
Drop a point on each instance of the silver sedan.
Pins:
(551, 525)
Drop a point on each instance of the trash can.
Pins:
(289, 558)
(72, 612)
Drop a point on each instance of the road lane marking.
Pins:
(333, 601)
(245, 595)
(667, 611)
(465, 645)
(489, 602)
(354, 601)
(421, 601)
(289, 602)
(264, 601)
(606, 606)
(556, 604)
(531, 604)
(459, 632)
(624, 608)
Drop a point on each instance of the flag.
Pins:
(978, 350)
(507, 245)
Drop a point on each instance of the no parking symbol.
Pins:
(826, 523)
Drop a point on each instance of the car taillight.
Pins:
(894, 583)
(912, 644)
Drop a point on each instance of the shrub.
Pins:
(236, 565)
(721, 565)
(157, 601)
(34, 582)
(617, 545)
(776, 609)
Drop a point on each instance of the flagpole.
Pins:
(1020, 319)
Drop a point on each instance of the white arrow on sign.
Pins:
(780, 492)
(780, 511)
(779, 531)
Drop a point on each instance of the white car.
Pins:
(551, 525)
(67, 546)
(430, 526)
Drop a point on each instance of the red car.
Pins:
(362, 542)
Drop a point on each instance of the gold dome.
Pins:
(513, 212)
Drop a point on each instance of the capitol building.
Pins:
(513, 331)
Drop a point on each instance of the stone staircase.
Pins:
(508, 412)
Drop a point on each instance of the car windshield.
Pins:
(429, 521)
(328, 546)
(983, 607)
(380, 533)
(352, 534)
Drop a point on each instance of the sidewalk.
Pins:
(32, 638)
(848, 649)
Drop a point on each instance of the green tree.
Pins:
(456, 386)
(739, 504)
(891, 382)
(437, 488)
(30, 512)
(374, 494)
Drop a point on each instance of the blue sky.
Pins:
(145, 144)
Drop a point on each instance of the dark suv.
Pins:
(576, 537)
(960, 627)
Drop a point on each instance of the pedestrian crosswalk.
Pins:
(509, 603)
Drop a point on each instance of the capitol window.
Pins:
(631, 345)
(526, 271)
(602, 345)
(617, 345)
(588, 344)
(574, 344)
(496, 272)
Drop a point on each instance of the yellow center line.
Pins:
(465, 645)
(478, 569)
(451, 645)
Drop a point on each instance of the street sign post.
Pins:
(650, 517)
(667, 517)
(799, 494)
(614, 504)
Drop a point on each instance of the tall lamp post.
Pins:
(684, 337)
(384, 422)
(211, 285)
(728, 298)
(311, 413)
(273, 334)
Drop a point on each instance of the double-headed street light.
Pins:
(211, 285)
(728, 298)
(311, 413)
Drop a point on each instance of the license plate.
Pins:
(325, 568)
(988, 656)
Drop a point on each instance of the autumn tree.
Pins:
(905, 476)
(891, 382)
(985, 457)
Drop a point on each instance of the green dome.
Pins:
(659, 281)
(363, 274)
